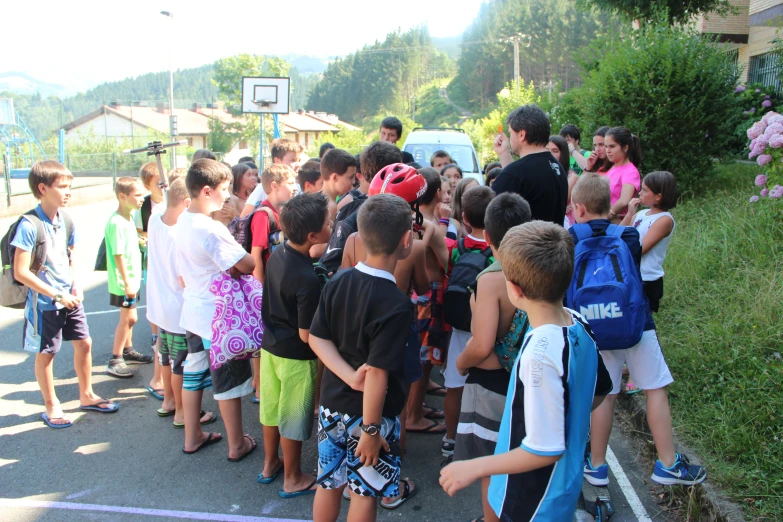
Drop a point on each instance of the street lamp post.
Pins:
(172, 118)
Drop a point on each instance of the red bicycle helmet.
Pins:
(401, 180)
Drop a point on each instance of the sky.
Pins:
(80, 43)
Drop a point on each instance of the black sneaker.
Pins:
(134, 357)
(118, 368)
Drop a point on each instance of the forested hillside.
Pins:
(45, 115)
(380, 77)
(557, 30)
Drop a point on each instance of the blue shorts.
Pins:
(338, 435)
(46, 335)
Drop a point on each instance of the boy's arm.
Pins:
(327, 353)
(258, 263)
(483, 326)
(120, 262)
(23, 275)
(246, 265)
(350, 246)
(419, 277)
(461, 474)
(369, 447)
(438, 246)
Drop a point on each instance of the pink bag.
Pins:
(236, 327)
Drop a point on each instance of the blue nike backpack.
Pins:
(606, 288)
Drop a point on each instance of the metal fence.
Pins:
(766, 69)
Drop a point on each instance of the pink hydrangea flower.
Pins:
(777, 118)
(758, 90)
(776, 141)
(756, 130)
(763, 159)
(761, 180)
(766, 103)
(754, 199)
(740, 88)
(768, 116)
(764, 193)
(774, 128)
(776, 192)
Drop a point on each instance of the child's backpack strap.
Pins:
(39, 253)
(615, 230)
(461, 246)
(68, 222)
(583, 231)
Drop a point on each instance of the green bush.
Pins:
(674, 89)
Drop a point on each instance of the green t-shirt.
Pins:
(122, 238)
(574, 165)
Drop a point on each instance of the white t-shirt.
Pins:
(164, 291)
(156, 208)
(256, 197)
(205, 248)
(652, 261)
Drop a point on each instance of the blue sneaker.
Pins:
(681, 473)
(596, 476)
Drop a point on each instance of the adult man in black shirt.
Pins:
(536, 176)
(391, 132)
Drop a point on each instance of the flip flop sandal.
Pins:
(181, 425)
(211, 439)
(631, 389)
(307, 491)
(261, 479)
(407, 493)
(429, 429)
(165, 413)
(49, 422)
(154, 392)
(251, 450)
(438, 391)
(434, 414)
(479, 519)
(256, 400)
(97, 407)
(346, 494)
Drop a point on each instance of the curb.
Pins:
(717, 507)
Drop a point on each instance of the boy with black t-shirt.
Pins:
(359, 425)
(536, 176)
(288, 365)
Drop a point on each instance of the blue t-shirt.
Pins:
(57, 271)
(631, 237)
(547, 412)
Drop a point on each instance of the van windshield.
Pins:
(461, 154)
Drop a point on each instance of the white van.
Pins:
(422, 142)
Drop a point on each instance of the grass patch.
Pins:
(432, 110)
(721, 330)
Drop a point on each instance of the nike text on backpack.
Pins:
(240, 229)
(456, 299)
(607, 288)
(12, 293)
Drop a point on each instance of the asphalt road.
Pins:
(129, 466)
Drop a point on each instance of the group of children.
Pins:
(375, 272)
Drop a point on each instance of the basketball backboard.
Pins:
(264, 95)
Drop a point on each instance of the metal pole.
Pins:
(171, 86)
(515, 39)
(113, 168)
(7, 174)
(261, 142)
(61, 146)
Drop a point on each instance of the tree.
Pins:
(677, 11)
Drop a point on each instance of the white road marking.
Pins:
(188, 515)
(626, 487)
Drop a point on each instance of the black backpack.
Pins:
(12, 293)
(345, 224)
(146, 212)
(456, 298)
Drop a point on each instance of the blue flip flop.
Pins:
(97, 407)
(261, 479)
(49, 423)
(256, 400)
(154, 393)
(306, 491)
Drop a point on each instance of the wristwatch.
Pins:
(372, 430)
(57, 298)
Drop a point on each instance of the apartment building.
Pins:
(750, 36)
